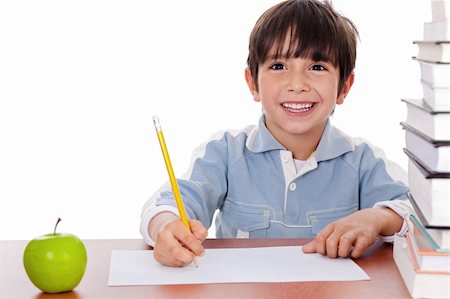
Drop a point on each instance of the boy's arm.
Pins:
(390, 222)
(353, 234)
(403, 208)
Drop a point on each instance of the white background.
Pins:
(80, 81)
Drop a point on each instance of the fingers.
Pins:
(321, 240)
(198, 230)
(361, 244)
(176, 245)
(345, 244)
(335, 242)
(168, 251)
(310, 247)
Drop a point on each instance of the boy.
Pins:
(294, 175)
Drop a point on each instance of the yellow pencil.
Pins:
(173, 180)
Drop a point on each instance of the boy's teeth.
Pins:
(297, 105)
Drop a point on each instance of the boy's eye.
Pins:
(318, 67)
(277, 66)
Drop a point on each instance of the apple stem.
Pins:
(54, 231)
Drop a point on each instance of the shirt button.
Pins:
(292, 186)
(285, 159)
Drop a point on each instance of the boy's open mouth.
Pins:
(297, 107)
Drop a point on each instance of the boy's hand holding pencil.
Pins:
(175, 245)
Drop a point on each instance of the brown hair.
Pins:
(315, 31)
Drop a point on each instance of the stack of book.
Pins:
(423, 255)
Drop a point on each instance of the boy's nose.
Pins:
(298, 82)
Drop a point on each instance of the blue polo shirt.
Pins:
(252, 180)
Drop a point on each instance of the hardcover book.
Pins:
(434, 51)
(420, 284)
(437, 239)
(438, 98)
(435, 74)
(440, 10)
(434, 155)
(436, 31)
(426, 259)
(422, 218)
(433, 124)
(429, 193)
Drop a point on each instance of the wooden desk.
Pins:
(385, 282)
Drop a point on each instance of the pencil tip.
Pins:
(195, 263)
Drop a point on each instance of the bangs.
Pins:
(316, 49)
(306, 29)
(309, 33)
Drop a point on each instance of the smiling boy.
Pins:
(293, 175)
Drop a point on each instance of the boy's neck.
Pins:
(301, 145)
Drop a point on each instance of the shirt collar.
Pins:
(333, 142)
(261, 140)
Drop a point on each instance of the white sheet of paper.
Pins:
(229, 265)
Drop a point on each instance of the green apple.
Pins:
(55, 262)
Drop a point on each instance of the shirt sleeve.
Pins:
(403, 208)
(150, 210)
(203, 188)
(380, 178)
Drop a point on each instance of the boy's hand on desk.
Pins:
(176, 246)
(353, 234)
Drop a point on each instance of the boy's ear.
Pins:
(251, 84)
(345, 89)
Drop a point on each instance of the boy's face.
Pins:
(298, 95)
